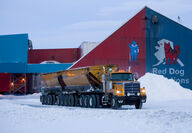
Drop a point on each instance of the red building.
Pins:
(69, 55)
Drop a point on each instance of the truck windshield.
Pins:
(122, 77)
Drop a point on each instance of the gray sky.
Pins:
(65, 24)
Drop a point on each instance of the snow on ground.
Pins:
(168, 109)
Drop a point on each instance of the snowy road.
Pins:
(25, 114)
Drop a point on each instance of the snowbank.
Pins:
(159, 88)
(32, 96)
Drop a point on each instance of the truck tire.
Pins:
(81, 101)
(98, 101)
(76, 103)
(54, 99)
(60, 100)
(43, 99)
(46, 100)
(114, 103)
(66, 100)
(57, 100)
(49, 99)
(71, 100)
(138, 104)
(92, 101)
(86, 101)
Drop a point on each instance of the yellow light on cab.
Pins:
(142, 91)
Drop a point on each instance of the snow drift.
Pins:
(168, 109)
(159, 88)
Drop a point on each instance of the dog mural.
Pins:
(166, 53)
(171, 54)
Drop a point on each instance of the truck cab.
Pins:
(125, 89)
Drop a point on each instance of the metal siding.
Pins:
(178, 35)
(13, 48)
(115, 49)
(61, 55)
(47, 68)
(13, 67)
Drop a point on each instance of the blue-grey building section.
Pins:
(13, 67)
(13, 48)
(47, 68)
(32, 68)
(14, 57)
(168, 48)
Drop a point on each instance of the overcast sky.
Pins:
(66, 24)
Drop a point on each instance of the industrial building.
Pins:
(148, 42)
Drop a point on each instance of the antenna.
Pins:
(179, 19)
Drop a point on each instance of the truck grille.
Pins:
(132, 88)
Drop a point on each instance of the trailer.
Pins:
(94, 87)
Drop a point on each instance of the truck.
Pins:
(92, 87)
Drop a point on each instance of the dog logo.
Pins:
(166, 53)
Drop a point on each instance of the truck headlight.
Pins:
(142, 91)
(118, 91)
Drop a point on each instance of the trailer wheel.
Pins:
(57, 100)
(43, 99)
(81, 101)
(71, 100)
(49, 100)
(92, 101)
(114, 103)
(98, 101)
(46, 100)
(66, 100)
(76, 100)
(60, 100)
(54, 99)
(138, 104)
(86, 101)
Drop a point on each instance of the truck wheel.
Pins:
(43, 99)
(98, 101)
(92, 101)
(71, 100)
(50, 100)
(76, 100)
(46, 100)
(60, 100)
(57, 100)
(86, 101)
(66, 100)
(81, 101)
(54, 99)
(114, 103)
(138, 104)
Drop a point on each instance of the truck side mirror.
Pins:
(136, 76)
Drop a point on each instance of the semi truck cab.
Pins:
(125, 89)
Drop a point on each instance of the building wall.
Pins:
(70, 55)
(13, 48)
(115, 49)
(169, 40)
(4, 82)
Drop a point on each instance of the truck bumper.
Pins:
(131, 100)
